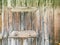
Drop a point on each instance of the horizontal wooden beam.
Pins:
(23, 34)
(24, 9)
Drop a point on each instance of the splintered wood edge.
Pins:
(24, 9)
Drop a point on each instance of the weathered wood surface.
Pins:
(24, 9)
(51, 25)
(25, 20)
(57, 25)
(23, 34)
(27, 23)
(10, 21)
(28, 19)
(16, 21)
(5, 27)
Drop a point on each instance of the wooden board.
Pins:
(23, 34)
(24, 9)
(57, 25)
(10, 19)
(5, 20)
(28, 25)
(16, 20)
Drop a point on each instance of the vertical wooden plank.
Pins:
(22, 20)
(46, 28)
(21, 41)
(22, 26)
(34, 41)
(57, 25)
(13, 41)
(28, 25)
(42, 24)
(50, 25)
(36, 24)
(39, 28)
(5, 28)
(16, 21)
(10, 21)
(6, 19)
(35, 20)
(28, 21)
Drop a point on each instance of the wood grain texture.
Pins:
(57, 25)
(50, 25)
(5, 20)
(16, 21)
(28, 25)
(10, 21)
(19, 21)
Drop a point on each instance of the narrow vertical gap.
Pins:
(31, 22)
(13, 20)
(19, 21)
(24, 20)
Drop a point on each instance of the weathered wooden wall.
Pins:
(53, 23)
(5, 27)
(47, 25)
(18, 21)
